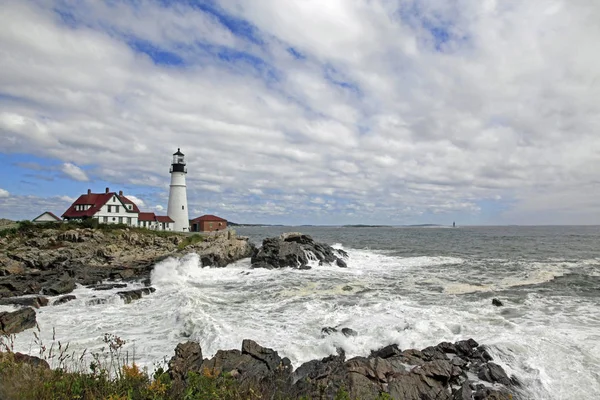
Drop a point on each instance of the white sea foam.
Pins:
(551, 344)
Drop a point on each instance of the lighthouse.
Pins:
(178, 208)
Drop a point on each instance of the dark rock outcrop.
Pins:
(295, 250)
(31, 360)
(64, 299)
(187, 358)
(107, 286)
(35, 302)
(17, 321)
(441, 372)
(65, 285)
(497, 303)
(131, 295)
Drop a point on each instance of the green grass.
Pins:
(192, 239)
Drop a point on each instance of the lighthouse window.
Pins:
(183, 207)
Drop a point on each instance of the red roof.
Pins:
(96, 200)
(127, 201)
(209, 218)
(147, 216)
(163, 218)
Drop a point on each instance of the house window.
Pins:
(120, 220)
(114, 219)
(116, 209)
(109, 208)
(105, 219)
(114, 199)
(220, 223)
(129, 206)
(128, 220)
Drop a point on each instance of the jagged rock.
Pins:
(268, 356)
(294, 250)
(497, 303)
(35, 302)
(349, 332)
(131, 295)
(61, 287)
(187, 358)
(254, 366)
(463, 393)
(328, 330)
(492, 372)
(107, 286)
(485, 393)
(64, 299)
(96, 301)
(387, 351)
(17, 321)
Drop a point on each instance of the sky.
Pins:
(322, 112)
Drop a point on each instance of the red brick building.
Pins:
(208, 223)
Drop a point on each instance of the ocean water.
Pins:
(412, 286)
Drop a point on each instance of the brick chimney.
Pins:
(120, 193)
(107, 190)
(89, 191)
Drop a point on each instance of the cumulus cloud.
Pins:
(74, 172)
(29, 206)
(391, 111)
(139, 202)
(4, 193)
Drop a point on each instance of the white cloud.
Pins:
(139, 202)
(4, 193)
(159, 207)
(378, 114)
(74, 172)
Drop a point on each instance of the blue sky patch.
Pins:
(158, 56)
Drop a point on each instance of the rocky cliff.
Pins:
(51, 261)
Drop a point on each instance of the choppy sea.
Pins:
(412, 286)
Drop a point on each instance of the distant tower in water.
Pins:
(178, 208)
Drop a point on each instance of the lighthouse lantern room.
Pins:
(178, 209)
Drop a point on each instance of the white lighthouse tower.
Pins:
(178, 208)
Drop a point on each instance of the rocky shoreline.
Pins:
(52, 261)
(449, 371)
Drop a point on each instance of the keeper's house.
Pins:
(114, 208)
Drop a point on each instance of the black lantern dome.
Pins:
(178, 164)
